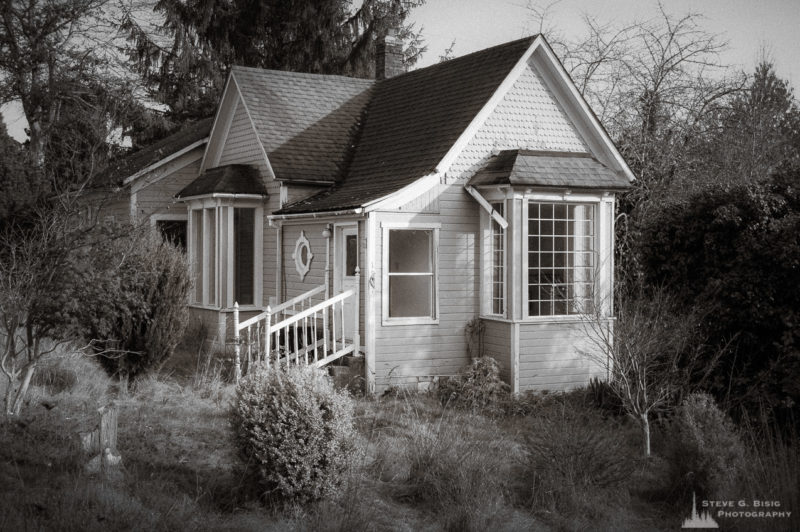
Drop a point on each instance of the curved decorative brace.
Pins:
(302, 255)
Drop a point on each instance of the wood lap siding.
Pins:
(159, 197)
(405, 353)
(241, 145)
(497, 344)
(551, 356)
(293, 285)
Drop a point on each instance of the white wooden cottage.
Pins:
(334, 215)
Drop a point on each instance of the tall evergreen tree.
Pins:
(184, 60)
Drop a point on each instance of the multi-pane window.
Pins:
(411, 273)
(210, 255)
(224, 254)
(197, 254)
(243, 255)
(498, 253)
(561, 258)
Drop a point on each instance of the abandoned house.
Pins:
(326, 216)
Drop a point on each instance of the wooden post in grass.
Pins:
(236, 347)
(108, 427)
(102, 443)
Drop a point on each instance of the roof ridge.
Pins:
(312, 75)
(463, 58)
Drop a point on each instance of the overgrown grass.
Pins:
(539, 463)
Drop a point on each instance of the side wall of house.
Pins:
(291, 281)
(557, 355)
(414, 354)
(497, 343)
(154, 193)
(529, 117)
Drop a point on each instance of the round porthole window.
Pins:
(302, 255)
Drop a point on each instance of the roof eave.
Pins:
(130, 179)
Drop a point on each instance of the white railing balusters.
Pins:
(291, 331)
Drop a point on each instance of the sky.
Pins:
(751, 28)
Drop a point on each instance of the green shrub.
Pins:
(478, 388)
(461, 475)
(128, 297)
(706, 453)
(294, 432)
(733, 252)
(574, 456)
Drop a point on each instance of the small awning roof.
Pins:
(230, 179)
(548, 169)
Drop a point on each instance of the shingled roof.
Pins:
(305, 122)
(548, 169)
(230, 179)
(411, 122)
(117, 171)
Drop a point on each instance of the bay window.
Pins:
(546, 262)
(561, 258)
(225, 251)
(498, 263)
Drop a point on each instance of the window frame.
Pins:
(224, 260)
(387, 227)
(489, 257)
(565, 199)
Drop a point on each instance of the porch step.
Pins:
(348, 374)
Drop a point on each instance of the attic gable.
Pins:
(412, 122)
(305, 123)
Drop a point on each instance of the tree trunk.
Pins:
(22, 390)
(9, 394)
(645, 422)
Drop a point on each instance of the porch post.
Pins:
(236, 347)
(356, 335)
(327, 234)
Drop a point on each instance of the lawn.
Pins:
(556, 464)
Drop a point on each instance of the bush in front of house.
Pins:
(479, 388)
(294, 432)
(460, 473)
(574, 454)
(706, 453)
(126, 294)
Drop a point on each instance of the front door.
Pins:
(345, 271)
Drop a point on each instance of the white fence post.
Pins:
(268, 335)
(236, 348)
(357, 295)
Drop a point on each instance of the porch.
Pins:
(312, 329)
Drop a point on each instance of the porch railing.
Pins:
(298, 332)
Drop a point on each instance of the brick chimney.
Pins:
(389, 56)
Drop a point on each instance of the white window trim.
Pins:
(226, 249)
(490, 302)
(386, 227)
(172, 217)
(555, 199)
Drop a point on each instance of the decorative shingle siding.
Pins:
(553, 356)
(528, 117)
(241, 145)
(407, 353)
